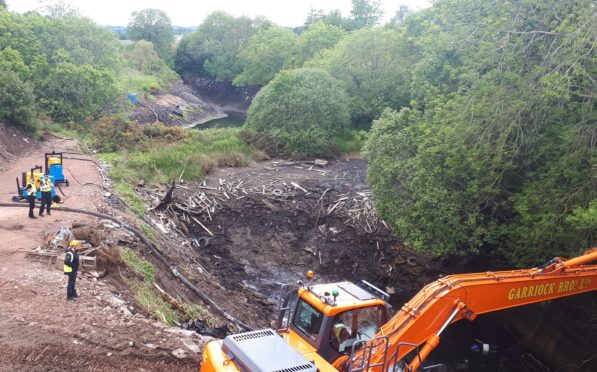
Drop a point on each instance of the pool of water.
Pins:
(233, 120)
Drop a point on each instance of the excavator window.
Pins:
(308, 320)
(355, 325)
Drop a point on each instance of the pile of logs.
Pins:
(92, 238)
(199, 205)
(359, 209)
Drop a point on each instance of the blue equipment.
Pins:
(53, 163)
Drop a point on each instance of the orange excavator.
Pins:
(344, 326)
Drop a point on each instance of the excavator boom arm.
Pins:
(447, 300)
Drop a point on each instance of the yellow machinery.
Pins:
(34, 174)
(345, 327)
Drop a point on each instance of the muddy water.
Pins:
(233, 119)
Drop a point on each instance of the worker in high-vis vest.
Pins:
(71, 266)
(31, 193)
(45, 186)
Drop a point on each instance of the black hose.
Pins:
(156, 253)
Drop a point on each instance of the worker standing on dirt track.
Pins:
(46, 194)
(31, 191)
(71, 266)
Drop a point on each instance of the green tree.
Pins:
(314, 16)
(152, 25)
(72, 93)
(375, 66)
(3, 4)
(11, 60)
(335, 18)
(499, 155)
(366, 13)
(318, 37)
(268, 52)
(213, 49)
(17, 103)
(143, 57)
(302, 110)
(401, 14)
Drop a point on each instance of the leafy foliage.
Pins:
(71, 92)
(302, 110)
(68, 61)
(365, 13)
(317, 38)
(17, 103)
(498, 153)
(269, 51)
(213, 49)
(374, 66)
(152, 25)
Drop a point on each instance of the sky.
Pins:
(191, 13)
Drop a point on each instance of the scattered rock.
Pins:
(179, 353)
(180, 332)
(191, 346)
(321, 163)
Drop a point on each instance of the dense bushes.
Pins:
(302, 110)
(120, 134)
(498, 156)
(17, 103)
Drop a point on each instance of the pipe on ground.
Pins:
(155, 252)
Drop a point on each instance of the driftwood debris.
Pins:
(167, 199)
(198, 205)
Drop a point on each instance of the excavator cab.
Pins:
(330, 318)
(319, 322)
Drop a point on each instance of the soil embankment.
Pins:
(104, 330)
(193, 101)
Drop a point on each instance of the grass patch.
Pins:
(151, 300)
(196, 311)
(350, 142)
(189, 159)
(128, 194)
(138, 265)
(144, 292)
(132, 80)
(148, 232)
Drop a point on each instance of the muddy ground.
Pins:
(269, 232)
(274, 221)
(104, 330)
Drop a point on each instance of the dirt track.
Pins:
(39, 329)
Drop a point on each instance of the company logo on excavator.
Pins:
(563, 286)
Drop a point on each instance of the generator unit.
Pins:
(53, 162)
(36, 175)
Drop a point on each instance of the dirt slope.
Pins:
(39, 330)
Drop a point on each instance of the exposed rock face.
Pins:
(223, 92)
(193, 101)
